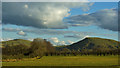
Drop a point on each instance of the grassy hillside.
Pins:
(20, 48)
(16, 42)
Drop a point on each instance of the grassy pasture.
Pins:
(67, 61)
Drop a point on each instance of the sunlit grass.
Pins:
(67, 61)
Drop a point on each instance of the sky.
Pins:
(59, 23)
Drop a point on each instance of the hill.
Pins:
(92, 43)
(16, 42)
(19, 48)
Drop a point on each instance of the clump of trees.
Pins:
(39, 47)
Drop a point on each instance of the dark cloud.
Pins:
(78, 36)
(68, 34)
(40, 31)
(39, 15)
(11, 29)
(64, 34)
(106, 19)
(82, 35)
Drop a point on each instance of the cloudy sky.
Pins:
(61, 23)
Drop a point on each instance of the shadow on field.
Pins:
(60, 67)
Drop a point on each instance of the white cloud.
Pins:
(21, 33)
(70, 42)
(5, 39)
(30, 39)
(1, 39)
(62, 43)
(26, 6)
(55, 41)
(86, 36)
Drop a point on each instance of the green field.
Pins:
(67, 61)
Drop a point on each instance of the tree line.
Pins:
(41, 47)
